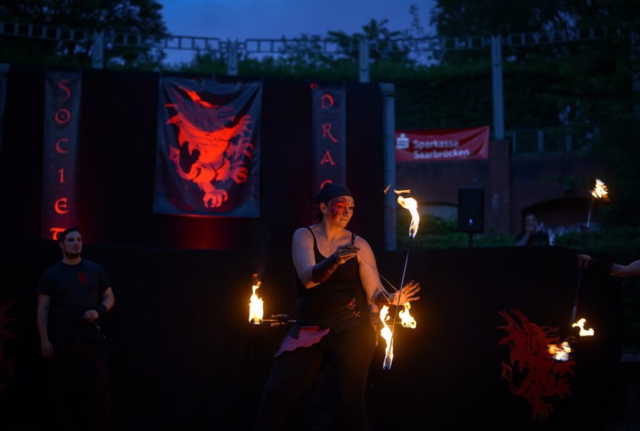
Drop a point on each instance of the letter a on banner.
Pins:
(60, 206)
(207, 155)
(329, 136)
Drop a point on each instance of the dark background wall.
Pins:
(117, 162)
(183, 355)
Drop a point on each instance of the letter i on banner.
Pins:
(329, 136)
(60, 152)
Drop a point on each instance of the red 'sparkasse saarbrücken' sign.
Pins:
(442, 145)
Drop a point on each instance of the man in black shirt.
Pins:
(73, 295)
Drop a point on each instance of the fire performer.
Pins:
(339, 293)
(623, 271)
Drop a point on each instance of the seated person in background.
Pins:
(631, 270)
(532, 235)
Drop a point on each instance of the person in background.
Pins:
(532, 234)
(616, 269)
(73, 296)
(339, 296)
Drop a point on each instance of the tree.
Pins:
(138, 19)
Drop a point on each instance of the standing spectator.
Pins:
(73, 296)
(533, 234)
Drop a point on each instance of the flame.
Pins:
(412, 205)
(600, 191)
(256, 311)
(387, 335)
(583, 332)
(407, 319)
(561, 352)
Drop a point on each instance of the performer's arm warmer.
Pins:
(101, 309)
(375, 318)
(323, 270)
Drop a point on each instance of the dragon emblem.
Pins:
(533, 373)
(6, 364)
(214, 145)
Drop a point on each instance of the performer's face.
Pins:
(530, 222)
(341, 208)
(72, 244)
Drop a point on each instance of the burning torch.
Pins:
(411, 205)
(599, 192)
(563, 351)
(256, 309)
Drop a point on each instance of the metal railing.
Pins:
(97, 42)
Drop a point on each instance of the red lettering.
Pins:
(55, 231)
(61, 206)
(325, 182)
(61, 172)
(326, 101)
(62, 85)
(326, 132)
(59, 148)
(62, 116)
(327, 159)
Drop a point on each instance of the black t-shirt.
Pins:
(73, 289)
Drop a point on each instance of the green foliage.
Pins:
(135, 18)
(439, 233)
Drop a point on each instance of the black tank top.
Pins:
(342, 290)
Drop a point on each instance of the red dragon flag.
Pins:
(207, 155)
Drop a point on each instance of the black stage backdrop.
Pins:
(117, 145)
(183, 355)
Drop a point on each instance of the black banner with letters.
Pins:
(329, 136)
(60, 206)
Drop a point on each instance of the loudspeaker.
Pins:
(471, 209)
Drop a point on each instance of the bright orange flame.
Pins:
(256, 312)
(600, 191)
(583, 332)
(561, 352)
(387, 335)
(406, 318)
(412, 205)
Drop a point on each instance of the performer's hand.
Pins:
(90, 316)
(345, 252)
(46, 348)
(583, 260)
(408, 294)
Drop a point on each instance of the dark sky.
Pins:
(274, 19)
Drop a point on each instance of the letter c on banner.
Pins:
(59, 148)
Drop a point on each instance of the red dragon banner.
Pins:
(532, 372)
(207, 155)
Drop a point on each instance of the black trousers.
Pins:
(347, 356)
(81, 389)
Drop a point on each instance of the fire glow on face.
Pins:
(340, 207)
